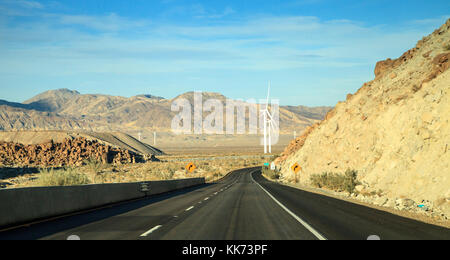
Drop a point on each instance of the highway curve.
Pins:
(242, 206)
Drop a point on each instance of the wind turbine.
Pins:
(269, 125)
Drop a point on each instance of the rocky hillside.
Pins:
(65, 109)
(19, 116)
(394, 131)
(70, 152)
(114, 139)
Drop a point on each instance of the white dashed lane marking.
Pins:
(151, 231)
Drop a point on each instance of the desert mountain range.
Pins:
(65, 109)
(394, 131)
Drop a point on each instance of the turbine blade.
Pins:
(271, 120)
(268, 95)
(270, 115)
(272, 125)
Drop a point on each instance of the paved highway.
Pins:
(242, 206)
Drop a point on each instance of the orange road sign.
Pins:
(296, 168)
(191, 167)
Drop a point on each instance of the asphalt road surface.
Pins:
(242, 206)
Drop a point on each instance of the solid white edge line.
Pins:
(306, 225)
(151, 231)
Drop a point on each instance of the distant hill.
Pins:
(65, 109)
(15, 116)
(52, 100)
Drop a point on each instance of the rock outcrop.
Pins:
(394, 131)
(70, 152)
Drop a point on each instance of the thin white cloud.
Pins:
(29, 4)
(431, 21)
(196, 10)
(20, 8)
(211, 15)
(111, 22)
(264, 43)
(23, 3)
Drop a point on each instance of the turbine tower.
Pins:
(268, 124)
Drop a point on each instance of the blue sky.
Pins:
(313, 51)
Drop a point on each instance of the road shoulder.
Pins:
(335, 195)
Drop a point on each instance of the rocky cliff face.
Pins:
(70, 152)
(394, 131)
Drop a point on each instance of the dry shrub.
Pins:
(93, 172)
(61, 177)
(335, 181)
(272, 174)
